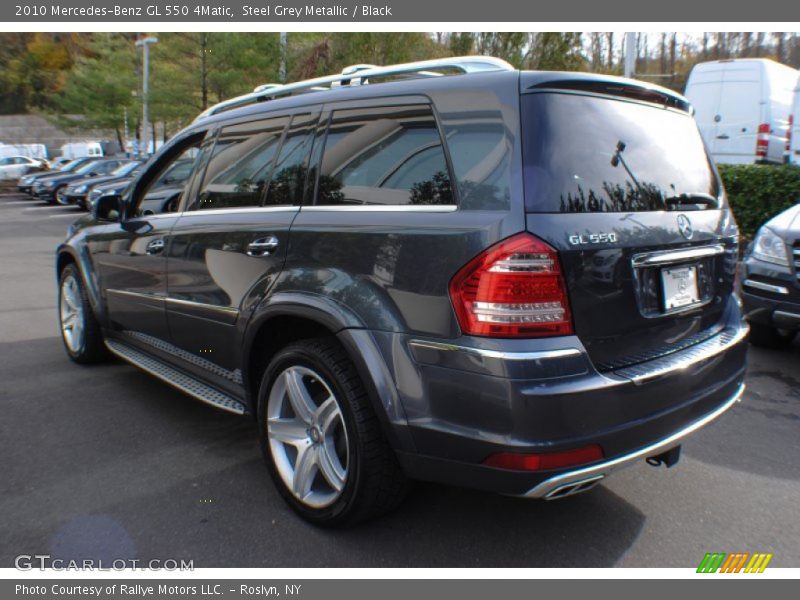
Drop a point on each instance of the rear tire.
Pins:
(765, 336)
(80, 330)
(321, 440)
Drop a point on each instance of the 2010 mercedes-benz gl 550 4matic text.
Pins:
(448, 270)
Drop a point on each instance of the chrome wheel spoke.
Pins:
(327, 414)
(69, 321)
(330, 467)
(288, 431)
(305, 469)
(301, 401)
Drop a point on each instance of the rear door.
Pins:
(704, 91)
(644, 276)
(742, 108)
(230, 243)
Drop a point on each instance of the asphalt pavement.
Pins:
(107, 462)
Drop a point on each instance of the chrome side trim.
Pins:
(672, 256)
(767, 287)
(240, 210)
(177, 379)
(683, 359)
(140, 295)
(426, 208)
(538, 355)
(230, 310)
(547, 488)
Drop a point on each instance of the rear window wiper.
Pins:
(693, 198)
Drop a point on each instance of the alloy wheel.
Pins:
(307, 436)
(71, 313)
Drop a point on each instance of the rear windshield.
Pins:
(595, 154)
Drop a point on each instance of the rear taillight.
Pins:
(788, 149)
(762, 140)
(545, 461)
(513, 289)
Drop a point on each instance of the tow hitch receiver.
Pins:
(668, 458)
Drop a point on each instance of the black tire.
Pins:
(54, 198)
(91, 349)
(765, 336)
(375, 483)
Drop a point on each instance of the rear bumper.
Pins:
(560, 485)
(466, 400)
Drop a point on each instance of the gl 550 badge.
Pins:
(583, 239)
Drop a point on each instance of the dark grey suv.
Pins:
(771, 281)
(450, 271)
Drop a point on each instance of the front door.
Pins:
(130, 259)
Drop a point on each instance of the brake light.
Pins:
(762, 140)
(545, 461)
(513, 289)
(788, 148)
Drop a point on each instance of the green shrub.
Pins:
(757, 193)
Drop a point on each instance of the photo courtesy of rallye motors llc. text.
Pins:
(162, 589)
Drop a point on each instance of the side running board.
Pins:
(177, 379)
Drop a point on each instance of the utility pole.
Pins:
(145, 44)
(630, 53)
(282, 70)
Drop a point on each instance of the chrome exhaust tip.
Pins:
(575, 487)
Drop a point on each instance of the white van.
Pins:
(82, 149)
(742, 108)
(794, 131)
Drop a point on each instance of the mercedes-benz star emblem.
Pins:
(685, 227)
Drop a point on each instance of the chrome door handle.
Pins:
(724, 136)
(155, 247)
(262, 246)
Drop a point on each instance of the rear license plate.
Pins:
(680, 287)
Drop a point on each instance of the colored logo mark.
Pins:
(736, 562)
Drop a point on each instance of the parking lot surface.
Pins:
(107, 462)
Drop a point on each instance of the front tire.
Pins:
(80, 330)
(765, 336)
(321, 440)
(58, 196)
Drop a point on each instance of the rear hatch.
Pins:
(617, 179)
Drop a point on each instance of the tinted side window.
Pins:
(384, 156)
(241, 164)
(150, 195)
(289, 174)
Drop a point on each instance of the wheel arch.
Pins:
(288, 317)
(66, 255)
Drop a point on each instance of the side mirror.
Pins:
(108, 208)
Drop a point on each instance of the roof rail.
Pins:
(360, 74)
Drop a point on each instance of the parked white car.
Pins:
(14, 167)
(742, 108)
